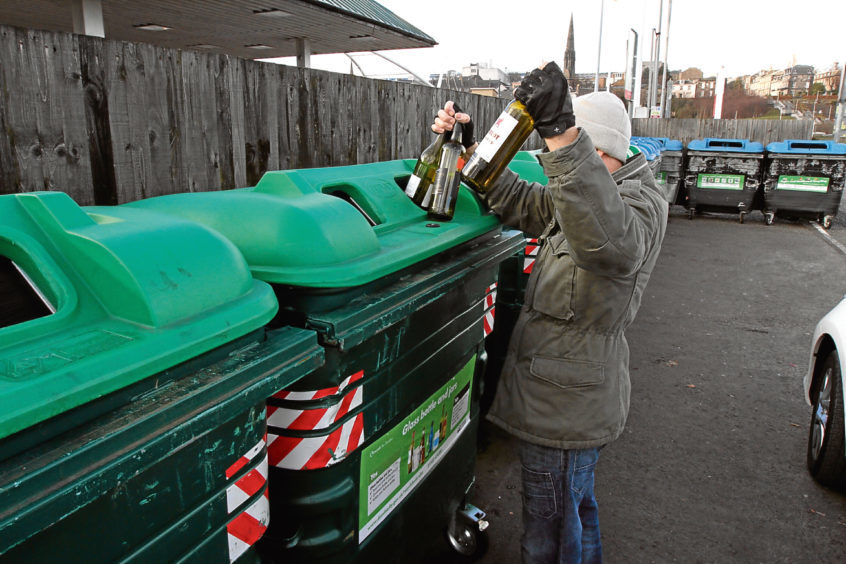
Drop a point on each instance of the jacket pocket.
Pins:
(567, 373)
(553, 293)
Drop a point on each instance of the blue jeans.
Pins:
(560, 515)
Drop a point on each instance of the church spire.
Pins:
(570, 53)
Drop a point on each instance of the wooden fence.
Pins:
(110, 122)
(761, 130)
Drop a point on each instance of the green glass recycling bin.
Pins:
(134, 369)
(379, 443)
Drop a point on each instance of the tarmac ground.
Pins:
(711, 465)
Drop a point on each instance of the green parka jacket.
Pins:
(565, 382)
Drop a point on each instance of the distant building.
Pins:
(830, 79)
(475, 78)
(692, 73)
(684, 89)
(569, 67)
(792, 81)
(705, 87)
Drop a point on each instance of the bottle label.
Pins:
(499, 132)
(411, 187)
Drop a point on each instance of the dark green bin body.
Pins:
(405, 338)
(148, 481)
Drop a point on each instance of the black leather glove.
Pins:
(466, 129)
(547, 98)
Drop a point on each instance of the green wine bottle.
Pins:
(447, 178)
(506, 136)
(424, 171)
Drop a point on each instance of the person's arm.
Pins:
(609, 228)
(605, 233)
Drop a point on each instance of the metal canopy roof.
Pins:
(250, 29)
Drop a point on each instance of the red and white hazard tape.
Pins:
(490, 310)
(531, 254)
(250, 524)
(309, 453)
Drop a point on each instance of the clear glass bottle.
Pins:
(447, 178)
(501, 143)
(424, 171)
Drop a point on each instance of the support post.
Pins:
(87, 17)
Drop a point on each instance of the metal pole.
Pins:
(411, 72)
(666, 53)
(353, 61)
(599, 48)
(655, 60)
(841, 102)
(651, 73)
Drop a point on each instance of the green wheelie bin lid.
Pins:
(108, 300)
(335, 227)
(527, 167)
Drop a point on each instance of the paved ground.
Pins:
(711, 467)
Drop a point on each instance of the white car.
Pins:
(824, 393)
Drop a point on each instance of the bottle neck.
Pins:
(457, 133)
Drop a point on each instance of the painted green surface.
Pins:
(802, 183)
(402, 458)
(721, 181)
(299, 227)
(134, 293)
(526, 165)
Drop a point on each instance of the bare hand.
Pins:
(447, 117)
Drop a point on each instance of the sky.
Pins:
(736, 37)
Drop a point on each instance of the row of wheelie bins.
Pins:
(792, 179)
(289, 372)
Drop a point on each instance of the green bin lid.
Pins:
(130, 296)
(332, 227)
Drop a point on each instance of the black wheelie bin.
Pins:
(134, 369)
(804, 179)
(723, 175)
(379, 444)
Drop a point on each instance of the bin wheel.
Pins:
(826, 222)
(690, 213)
(742, 216)
(768, 218)
(467, 540)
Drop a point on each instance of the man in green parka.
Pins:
(564, 388)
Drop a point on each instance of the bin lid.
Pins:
(726, 145)
(529, 170)
(113, 299)
(806, 147)
(527, 155)
(671, 145)
(333, 227)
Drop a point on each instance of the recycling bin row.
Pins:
(792, 178)
(289, 372)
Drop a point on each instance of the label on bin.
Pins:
(802, 183)
(661, 178)
(721, 181)
(394, 464)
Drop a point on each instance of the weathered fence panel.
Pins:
(686, 130)
(110, 122)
